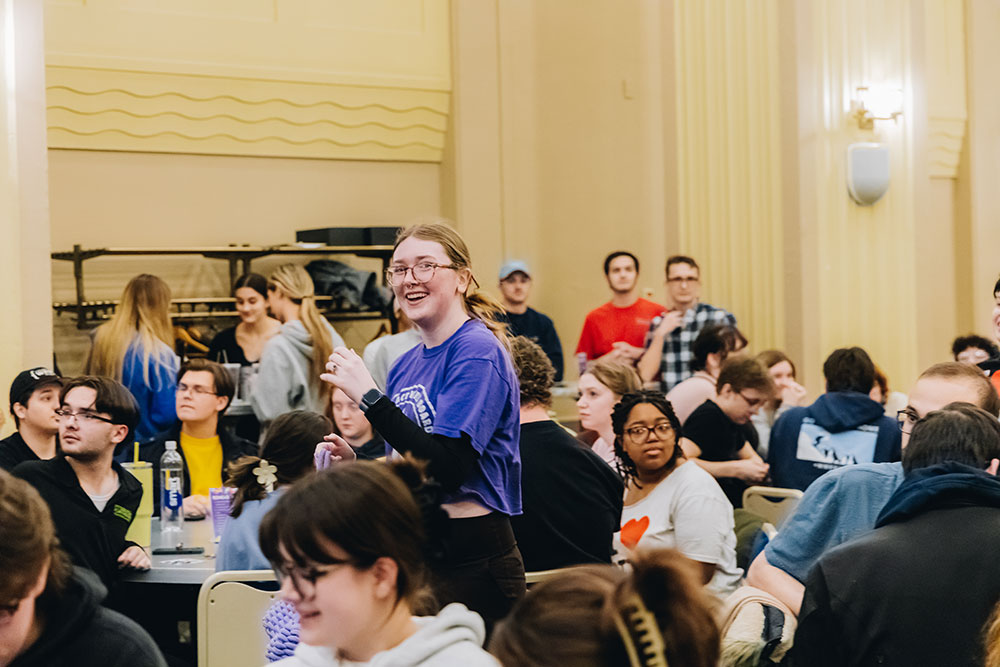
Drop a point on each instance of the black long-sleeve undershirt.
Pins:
(450, 460)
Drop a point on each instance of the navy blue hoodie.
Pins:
(839, 429)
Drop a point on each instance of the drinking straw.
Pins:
(136, 457)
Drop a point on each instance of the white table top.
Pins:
(180, 569)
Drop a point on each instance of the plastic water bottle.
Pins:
(171, 493)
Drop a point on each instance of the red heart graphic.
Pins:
(633, 531)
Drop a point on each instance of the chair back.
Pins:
(230, 611)
(771, 503)
(538, 576)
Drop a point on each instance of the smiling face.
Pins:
(515, 288)
(84, 438)
(595, 404)
(652, 451)
(428, 303)
(350, 420)
(40, 411)
(622, 274)
(344, 605)
(782, 374)
(251, 305)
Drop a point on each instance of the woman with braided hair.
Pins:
(669, 501)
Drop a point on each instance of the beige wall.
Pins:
(718, 130)
(981, 201)
(102, 199)
(190, 125)
(721, 130)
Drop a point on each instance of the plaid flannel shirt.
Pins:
(675, 364)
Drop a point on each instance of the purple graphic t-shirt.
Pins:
(467, 385)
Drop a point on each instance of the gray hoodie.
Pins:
(453, 637)
(284, 380)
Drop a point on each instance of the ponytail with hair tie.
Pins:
(640, 633)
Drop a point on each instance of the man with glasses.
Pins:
(919, 588)
(667, 355)
(842, 427)
(204, 391)
(719, 436)
(845, 502)
(92, 498)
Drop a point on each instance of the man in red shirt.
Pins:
(618, 328)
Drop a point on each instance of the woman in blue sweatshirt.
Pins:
(136, 348)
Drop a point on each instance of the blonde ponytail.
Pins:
(295, 282)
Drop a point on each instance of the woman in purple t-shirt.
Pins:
(454, 402)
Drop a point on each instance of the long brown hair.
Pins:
(143, 312)
(478, 305)
(288, 446)
(295, 283)
(577, 618)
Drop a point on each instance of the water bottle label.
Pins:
(172, 496)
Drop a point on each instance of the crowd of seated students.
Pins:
(442, 479)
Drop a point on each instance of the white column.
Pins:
(25, 244)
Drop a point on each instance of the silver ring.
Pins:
(333, 370)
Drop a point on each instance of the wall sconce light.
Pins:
(867, 172)
(874, 103)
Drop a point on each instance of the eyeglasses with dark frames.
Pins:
(640, 433)
(304, 579)
(423, 272)
(83, 415)
(906, 418)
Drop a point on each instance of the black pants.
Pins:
(482, 567)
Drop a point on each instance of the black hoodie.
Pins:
(92, 539)
(918, 589)
(80, 632)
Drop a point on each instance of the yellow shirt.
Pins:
(204, 461)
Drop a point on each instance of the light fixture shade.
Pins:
(882, 102)
(867, 172)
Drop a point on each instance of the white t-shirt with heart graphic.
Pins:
(687, 511)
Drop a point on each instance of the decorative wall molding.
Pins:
(175, 113)
(945, 138)
(946, 87)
